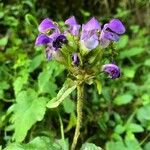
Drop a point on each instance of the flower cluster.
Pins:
(87, 38)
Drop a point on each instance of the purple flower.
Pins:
(111, 32)
(53, 41)
(75, 59)
(46, 25)
(89, 37)
(73, 26)
(42, 39)
(112, 69)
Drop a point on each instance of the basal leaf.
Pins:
(29, 109)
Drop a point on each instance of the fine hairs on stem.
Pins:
(80, 93)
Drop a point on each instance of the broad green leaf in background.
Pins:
(123, 99)
(29, 109)
(147, 62)
(3, 41)
(133, 127)
(131, 52)
(122, 42)
(68, 87)
(40, 143)
(143, 114)
(90, 146)
(119, 145)
(35, 62)
(147, 146)
(46, 84)
(129, 72)
(19, 82)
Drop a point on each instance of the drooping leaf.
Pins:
(29, 109)
(68, 87)
(99, 86)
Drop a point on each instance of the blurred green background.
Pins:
(117, 119)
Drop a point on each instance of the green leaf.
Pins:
(19, 82)
(4, 85)
(4, 41)
(147, 146)
(143, 113)
(131, 52)
(72, 122)
(27, 111)
(99, 86)
(129, 72)
(133, 127)
(119, 129)
(40, 143)
(35, 62)
(68, 87)
(69, 106)
(45, 85)
(31, 20)
(147, 62)
(123, 99)
(115, 145)
(90, 146)
(122, 42)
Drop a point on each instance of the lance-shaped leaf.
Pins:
(68, 87)
(29, 109)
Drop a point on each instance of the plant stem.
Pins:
(80, 90)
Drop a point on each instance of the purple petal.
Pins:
(74, 26)
(71, 21)
(112, 69)
(92, 24)
(45, 25)
(42, 39)
(111, 36)
(116, 26)
(91, 43)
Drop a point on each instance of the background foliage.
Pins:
(118, 118)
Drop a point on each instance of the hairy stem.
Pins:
(80, 90)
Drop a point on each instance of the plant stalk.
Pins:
(80, 90)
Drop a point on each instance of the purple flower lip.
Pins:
(89, 34)
(112, 69)
(60, 40)
(42, 39)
